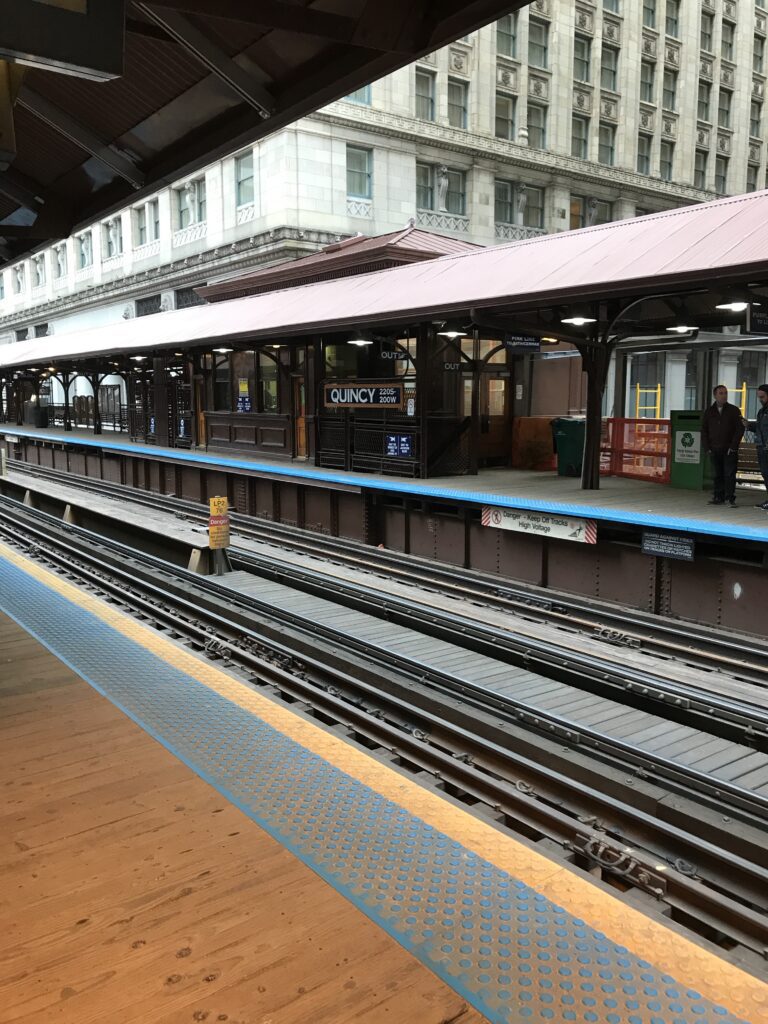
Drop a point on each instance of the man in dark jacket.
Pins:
(722, 429)
(760, 427)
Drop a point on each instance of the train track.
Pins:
(701, 864)
(712, 650)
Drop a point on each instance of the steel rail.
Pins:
(459, 766)
(621, 627)
(514, 710)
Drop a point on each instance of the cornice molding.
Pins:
(264, 248)
(400, 126)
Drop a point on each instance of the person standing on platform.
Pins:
(760, 427)
(722, 429)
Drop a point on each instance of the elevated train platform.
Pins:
(704, 563)
(619, 500)
(162, 883)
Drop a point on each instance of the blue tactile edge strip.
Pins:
(505, 948)
(421, 490)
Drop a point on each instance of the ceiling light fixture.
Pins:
(578, 321)
(681, 329)
(452, 334)
(733, 307)
(359, 342)
(222, 350)
(550, 341)
(138, 359)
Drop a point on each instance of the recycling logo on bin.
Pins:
(688, 446)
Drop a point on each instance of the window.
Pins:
(244, 179)
(707, 31)
(269, 378)
(362, 95)
(505, 116)
(611, 5)
(580, 137)
(581, 48)
(721, 175)
(644, 143)
(456, 196)
(726, 40)
(755, 117)
(586, 212)
(359, 172)
(533, 215)
(700, 169)
(112, 233)
(186, 297)
(457, 104)
(504, 207)
(647, 75)
(705, 93)
(41, 330)
(85, 250)
(147, 222)
(506, 35)
(538, 43)
(667, 156)
(649, 13)
(148, 305)
(537, 126)
(22, 334)
(724, 108)
(425, 187)
(752, 170)
(191, 203)
(609, 64)
(673, 18)
(425, 96)
(758, 55)
(606, 150)
(669, 98)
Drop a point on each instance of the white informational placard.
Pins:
(540, 524)
(688, 446)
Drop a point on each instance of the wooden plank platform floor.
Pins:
(130, 890)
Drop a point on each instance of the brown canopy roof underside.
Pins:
(198, 76)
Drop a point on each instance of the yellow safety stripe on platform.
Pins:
(670, 952)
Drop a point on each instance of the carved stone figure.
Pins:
(87, 248)
(61, 260)
(113, 234)
(19, 270)
(191, 190)
(442, 188)
(40, 271)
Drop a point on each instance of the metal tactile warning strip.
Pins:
(509, 950)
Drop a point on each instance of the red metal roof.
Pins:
(714, 243)
(350, 256)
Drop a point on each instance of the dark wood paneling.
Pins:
(267, 433)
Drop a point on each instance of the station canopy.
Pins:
(105, 101)
(648, 275)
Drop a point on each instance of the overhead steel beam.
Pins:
(270, 14)
(134, 27)
(22, 190)
(78, 133)
(212, 57)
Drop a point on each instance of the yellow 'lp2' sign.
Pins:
(218, 524)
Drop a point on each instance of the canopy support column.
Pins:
(595, 361)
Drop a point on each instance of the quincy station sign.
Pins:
(354, 395)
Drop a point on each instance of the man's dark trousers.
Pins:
(724, 465)
(762, 459)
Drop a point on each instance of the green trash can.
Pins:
(690, 465)
(568, 438)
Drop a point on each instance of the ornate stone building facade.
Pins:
(571, 113)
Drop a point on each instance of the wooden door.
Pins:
(495, 440)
